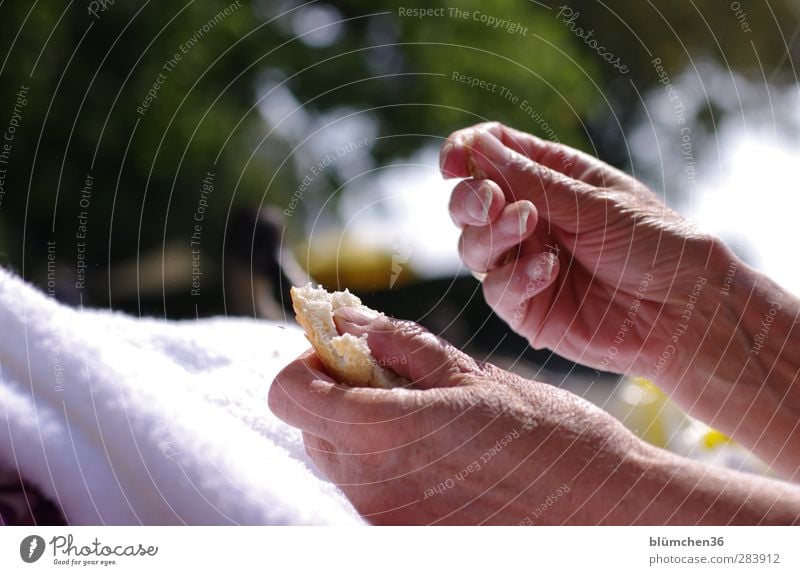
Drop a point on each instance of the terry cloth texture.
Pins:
(121, 421)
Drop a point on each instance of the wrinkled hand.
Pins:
(470, 444)
(581, 258)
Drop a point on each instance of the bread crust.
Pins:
(346, 357)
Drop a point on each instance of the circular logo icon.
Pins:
(31, 548)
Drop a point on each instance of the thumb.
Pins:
(407, 348)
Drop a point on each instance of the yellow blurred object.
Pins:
(338, 261)
(647, 411)
(713, 438)
(649, 387)
(650, 414)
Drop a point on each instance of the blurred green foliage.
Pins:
(89, 74)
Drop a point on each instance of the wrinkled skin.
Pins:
(431, 452)
(609, 232)
(586, 261)
(473, 444)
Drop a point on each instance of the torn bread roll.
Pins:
(346, 357)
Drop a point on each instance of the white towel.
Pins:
(121, 420)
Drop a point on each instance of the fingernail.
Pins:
(480, 276)
(485, 190)
(478, 203)
(524, 212)
(520, 224)
(356, 315)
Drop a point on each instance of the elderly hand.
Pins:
(474, 444)
(580, 258)
(585, 260)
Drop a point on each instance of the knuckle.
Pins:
(453, 135)
(493, 126)
(463, 367)
(409, 331)
(542, 176)
(422, 338)
(408, 327)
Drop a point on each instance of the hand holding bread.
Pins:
(345, 356)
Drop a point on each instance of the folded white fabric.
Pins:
(122, 420)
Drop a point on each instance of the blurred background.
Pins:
(190, 159)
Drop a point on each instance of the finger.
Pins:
(555, 195)
(522, 292)
(305, 397)
(476, 202)
(482, 248)
(454, 157)
(554, 155)
(298, 391)
(478, 152)
(407, 348)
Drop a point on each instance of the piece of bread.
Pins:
(346, 357)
